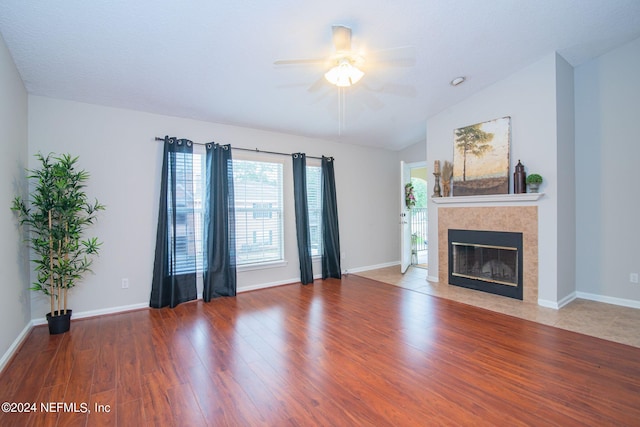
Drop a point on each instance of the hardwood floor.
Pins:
(350, 352)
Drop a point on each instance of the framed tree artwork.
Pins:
(481, 158)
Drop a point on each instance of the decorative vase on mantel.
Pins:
(447, 174)
(519, 179)
(446, 188)
(533, 187)
(533, 182)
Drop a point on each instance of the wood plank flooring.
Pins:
(349, 352)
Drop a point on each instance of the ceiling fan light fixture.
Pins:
(344, 74)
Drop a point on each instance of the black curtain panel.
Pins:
(219, 224)
(174, 268)
(302, 216)
(330, 232)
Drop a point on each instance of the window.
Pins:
(314, 206)
(258, 192)
(258, 205)
(188, 225)
(262, 210)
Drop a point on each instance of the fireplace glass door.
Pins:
(494, 264)
(488, 261)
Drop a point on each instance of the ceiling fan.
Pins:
(344, 65)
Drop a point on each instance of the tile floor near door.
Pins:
(607, 321)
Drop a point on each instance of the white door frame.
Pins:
(405, 220)
(405, 215)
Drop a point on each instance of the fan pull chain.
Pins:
(341, 110)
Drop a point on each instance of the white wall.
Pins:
(566, 199)
(14, 304)
(414, 153)
(607, 93)
(529, 98)
(117, 147)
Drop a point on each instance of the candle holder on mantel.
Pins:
(436, 186)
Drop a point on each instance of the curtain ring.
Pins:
(295, 155)
(189, 143)
(226, 147)
(209, 146)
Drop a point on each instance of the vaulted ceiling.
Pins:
(214, 60)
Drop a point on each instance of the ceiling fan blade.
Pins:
(401, 56)
(299, 61)
(406, 91)
(341, 38)
(318, 84)
(371, 101)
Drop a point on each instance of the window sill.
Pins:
(261, 266)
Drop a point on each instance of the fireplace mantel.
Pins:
(491, 198)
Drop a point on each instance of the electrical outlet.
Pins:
(633, 277)
(125, 283)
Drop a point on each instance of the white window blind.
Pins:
(258, 205)
(189, 213)
(314, 206)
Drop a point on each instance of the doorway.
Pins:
(414, 232)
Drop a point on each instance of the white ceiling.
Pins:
(213, 60)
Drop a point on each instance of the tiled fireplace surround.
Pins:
(518, 219)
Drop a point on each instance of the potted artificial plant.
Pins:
(533, 182)
(56, 216)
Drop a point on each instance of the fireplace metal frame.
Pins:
(489, 238)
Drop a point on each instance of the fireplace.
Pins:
(488, 261)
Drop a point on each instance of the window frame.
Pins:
(280, 211)
(198, 155)
(315, 163)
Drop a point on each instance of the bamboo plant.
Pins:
(57, 216)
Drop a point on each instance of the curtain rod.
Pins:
(252, 150)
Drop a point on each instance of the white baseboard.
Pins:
(609, 300)
(433, 279)
(566, 300)
(99, 312)
(315, 276)
(372, 267)
(548, 304)
(557, 305)
(272, 284)
(42, 321)
(15, 345)
(592, 297)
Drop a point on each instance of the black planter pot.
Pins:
(59, 324)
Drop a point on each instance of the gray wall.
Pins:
(116, 146)
(607, 93)
(529, 97)
(414, 153)
(566, 180)
(14, 304)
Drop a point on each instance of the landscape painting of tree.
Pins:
(481, 158)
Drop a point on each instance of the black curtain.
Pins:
(219, 225)
(302, 216)
(330, 232)
(174, 274)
